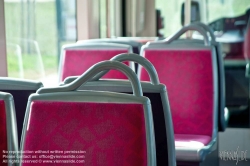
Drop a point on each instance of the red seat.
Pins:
(189, 72)
(8, 129)
(20, 89)
(77, 58)
(223, 114)
(188, 76)
(156, 92)
(110, 128)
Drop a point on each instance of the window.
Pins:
(35, 32)
(226, 8)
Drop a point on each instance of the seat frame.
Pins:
(195, 154)
(12, 143)
(68, 93)
(124, 86)
(7, 83)
(15, 86)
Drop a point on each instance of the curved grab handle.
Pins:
(185, 29)
(135, 58)
(207, 28)
(92, 71)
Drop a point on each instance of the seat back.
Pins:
(223, 114)
(163, 127)
(20, 90)
(8, 136)
(190, 73)
(107, 128)
(77, 58)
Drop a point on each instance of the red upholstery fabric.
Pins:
(247, 44)
(111, 134)
(188, 77)
(191, 141)
(3, 130)
(77, 62)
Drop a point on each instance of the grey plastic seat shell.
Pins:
(192, 154)
(12, 142)
(8, 83)
(136, 46)
(20, 89)
(68, 93)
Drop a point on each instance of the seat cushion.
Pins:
(191, 141)
(193, 148)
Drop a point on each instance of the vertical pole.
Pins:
(88, 19)
(117, 22)
(134, 15)
(28, 26)
(187, 16)
(59, 27)
(108, 18)
(3, 57)
(23, 23)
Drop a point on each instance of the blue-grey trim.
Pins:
(7, 83)
(234, 63)
(169, 127)
(181, 32)
(130, 42)
(247, 74)
(150, 134)
(216, 93)
(208, 29)
(12, 142)
(92, 46)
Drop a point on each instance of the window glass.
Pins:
(226, 8)
(171, 12)
(35, 32)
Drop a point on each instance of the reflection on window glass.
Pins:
(171, 12)
(35, 32)
(227, 8)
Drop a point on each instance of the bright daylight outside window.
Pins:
(35, 32)
(226, 8)
(171, 12)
